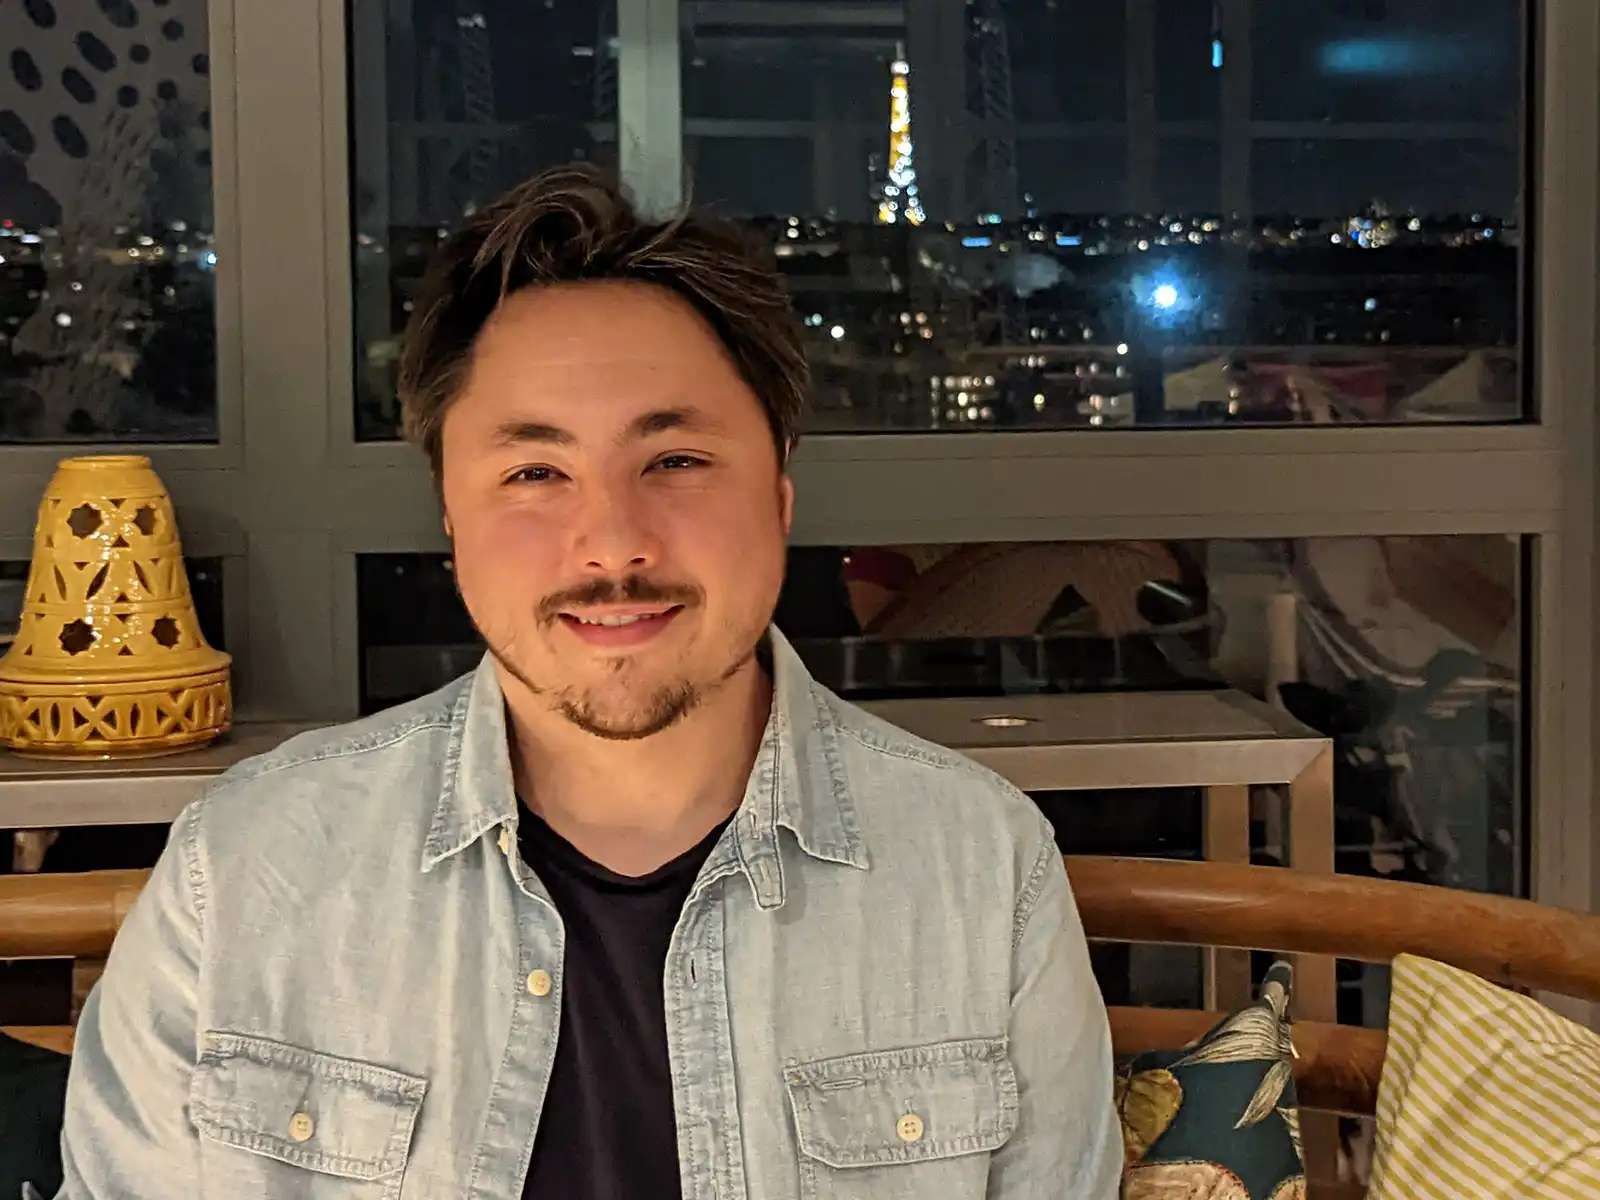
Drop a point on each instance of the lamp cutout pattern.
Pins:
(109, 661)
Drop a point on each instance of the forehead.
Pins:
(605, 341)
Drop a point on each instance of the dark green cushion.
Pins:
(33, 1094)
(1217, 1118)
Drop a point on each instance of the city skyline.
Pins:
(1081, 178)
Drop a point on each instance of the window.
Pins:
(453, 103)
(1154, 214)
(108, 249)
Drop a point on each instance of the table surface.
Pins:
(49, 793)
(1095, 740)
(1093, 717)
(1101, 740)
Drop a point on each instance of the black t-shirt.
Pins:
(607, 1130)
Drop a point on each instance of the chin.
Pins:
(625, 718)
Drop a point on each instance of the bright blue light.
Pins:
(1399, 56)
(1369, 56)
(1068, 239)
(1216, 54)
(975, 242)
(1167, 296)
(209, 258)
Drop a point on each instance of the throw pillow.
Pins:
(1217, 1119)
(1485, 1093)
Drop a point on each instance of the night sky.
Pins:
(1315, 61)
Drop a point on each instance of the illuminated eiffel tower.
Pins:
(900, 201)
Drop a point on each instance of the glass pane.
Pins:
(452, 103)
(1188, 80)
(107, 254)
(412, 629)
(1150, 213)
(1392, 61)
(1191, 174)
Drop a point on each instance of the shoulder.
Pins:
(366, 769)
(913, 796)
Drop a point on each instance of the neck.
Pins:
(633, 805)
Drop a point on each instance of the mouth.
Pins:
(614, 620)
(619, 627)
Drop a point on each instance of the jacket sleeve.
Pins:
(1068, 1141)
(126, 1132)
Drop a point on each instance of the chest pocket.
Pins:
(302, 1116)
(915, 1122)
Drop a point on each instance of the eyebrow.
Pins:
(516, 433)
(661, 420)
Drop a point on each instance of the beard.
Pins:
(627, 706)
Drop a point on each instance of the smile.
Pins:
(615, 620)
(624, 629)
(620, 618)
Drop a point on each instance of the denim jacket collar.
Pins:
(797, 781)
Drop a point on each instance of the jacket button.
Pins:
(301, 1127)
(539, 983)
(909, 1128)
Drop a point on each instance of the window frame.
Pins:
(285, 288)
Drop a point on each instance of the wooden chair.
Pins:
(1510, 942)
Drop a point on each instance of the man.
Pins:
(638, 909)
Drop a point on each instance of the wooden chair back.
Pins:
(1511, 942)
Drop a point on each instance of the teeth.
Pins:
(615, 620)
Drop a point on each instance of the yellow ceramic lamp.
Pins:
(109, 661)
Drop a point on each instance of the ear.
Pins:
(786, 502)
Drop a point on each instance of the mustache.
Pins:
(630, 589)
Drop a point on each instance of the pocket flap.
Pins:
(904, 1106)
(339, 1116)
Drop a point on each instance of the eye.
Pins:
(533, 475)
(677, 462)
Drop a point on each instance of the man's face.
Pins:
(617, 505)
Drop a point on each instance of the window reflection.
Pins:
(1408, 652)
(107, 242)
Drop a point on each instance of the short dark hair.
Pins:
(575, 223)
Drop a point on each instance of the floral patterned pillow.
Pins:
(1218, 1119)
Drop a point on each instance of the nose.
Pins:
(615, 535)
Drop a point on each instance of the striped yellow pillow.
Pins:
(1485, 1093)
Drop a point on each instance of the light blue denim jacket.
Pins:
(342, 984)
